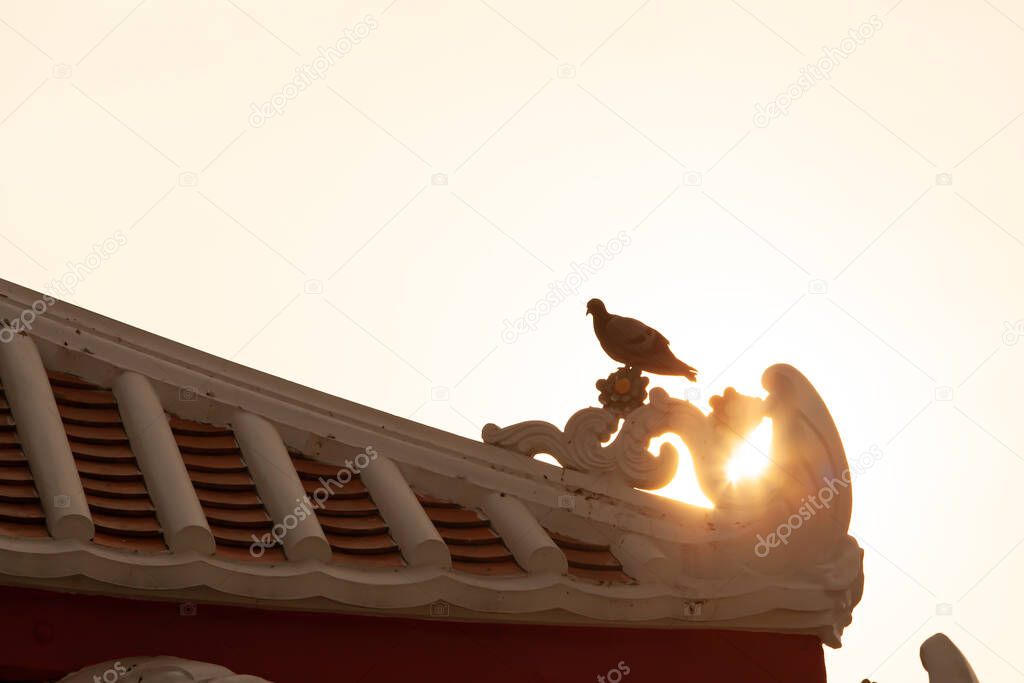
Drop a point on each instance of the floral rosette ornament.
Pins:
(623, 391)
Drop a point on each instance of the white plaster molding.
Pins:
(779, 604)
(807, 462)
(100, 349)
(158, 670)
(580, 445)
(697, 542)
(642, 559)
(43, 440)
(525, 537)
(944, 662)
(156, 451)
(280, 488)
(410, 526)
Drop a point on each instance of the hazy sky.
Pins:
(374, 199)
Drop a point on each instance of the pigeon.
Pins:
(635, 344)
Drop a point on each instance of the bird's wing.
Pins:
(633, 333)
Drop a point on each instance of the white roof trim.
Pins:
(679, 553)
(279, 487)
(177, 505)
(747, 602)
(43, 440)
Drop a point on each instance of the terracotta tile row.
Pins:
(475, 546)
(590, 561)
(21, 513)
(125, 517)
(358, 535)
(226, 491)
(114, 487)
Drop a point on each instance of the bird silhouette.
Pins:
(635, 344)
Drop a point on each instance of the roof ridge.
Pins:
(552, 528)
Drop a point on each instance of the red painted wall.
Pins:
(44, 635)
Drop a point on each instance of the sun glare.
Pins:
(751, 456)
(684, 486)
(748, 462)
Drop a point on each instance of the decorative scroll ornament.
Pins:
(806, 452)
(792, 519)
(580, 445)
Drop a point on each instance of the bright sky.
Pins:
(372, 235)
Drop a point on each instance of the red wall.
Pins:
(46, 635)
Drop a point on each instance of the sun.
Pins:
(749, 461)
(752, 455)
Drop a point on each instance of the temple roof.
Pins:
(133, 465)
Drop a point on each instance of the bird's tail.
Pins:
(687, 371)
(673, 368)
(681, 369)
